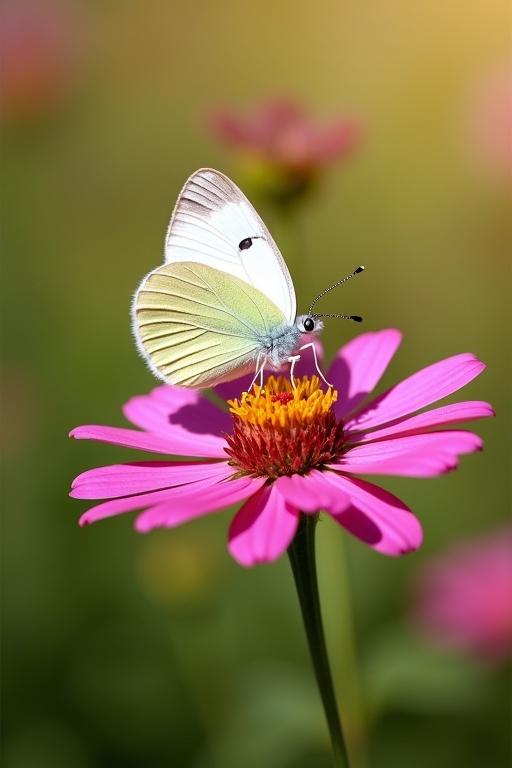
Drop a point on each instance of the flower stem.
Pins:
(302, 558)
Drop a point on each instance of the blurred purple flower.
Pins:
(283, 134)
(287, 147)
(38, 51)
(490, 124)
(464, 597)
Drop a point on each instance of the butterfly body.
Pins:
(280, 343)
(223, 304)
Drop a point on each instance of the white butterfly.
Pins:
(223, 304)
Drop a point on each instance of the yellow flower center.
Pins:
(278, 404)
(281, 430)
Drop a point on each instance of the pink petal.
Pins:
(312, 492)
(424, 455)
(230, 128)
(446, 414)
(337, 139)
(419, 390)
(190, 422)
(138, 477)
(145, 500)
(377, 517)
(231, 390)
(359, 365)
(263, 528)
(197, 502)
(198, 445)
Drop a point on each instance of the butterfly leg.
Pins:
(313, 349)
(293, 360)
(259, 372)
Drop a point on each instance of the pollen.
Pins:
(279, 404)
(281, 430)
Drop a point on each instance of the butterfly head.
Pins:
(308, 324)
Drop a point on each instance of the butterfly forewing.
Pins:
(211, 218)
(197, 326)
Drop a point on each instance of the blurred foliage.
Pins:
(110, 658)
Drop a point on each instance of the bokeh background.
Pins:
(129, 650)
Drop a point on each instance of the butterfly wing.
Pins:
(197, 326)
(211, 218)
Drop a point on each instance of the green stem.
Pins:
(302, 558)
(332, 559)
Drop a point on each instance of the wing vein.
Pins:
(231, 314)
(196, 250)
(232, 360)
(207, 226)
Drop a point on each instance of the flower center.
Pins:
(279, 430)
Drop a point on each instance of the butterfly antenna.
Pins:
(356, 271)
(355, 318)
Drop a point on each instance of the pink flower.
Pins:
(282, 134)
(285, 450)
(464, 597)
(38, 50)
(490, 124)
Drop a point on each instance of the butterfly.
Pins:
(223, 303)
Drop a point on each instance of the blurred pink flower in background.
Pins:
(464, 597)
(283, 134)
(38, 56)
(283, 451)
(490, 124)
(284, 146)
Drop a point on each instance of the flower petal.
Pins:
(177, 444)
(190, 422)
(424, 455)
(231, 390)
(139, 477)
(263, 528)
(446, 414)
(337, 139)
(145, 500)
(419, 390)
(312, 492)
(359, 365)
(376, 517)
(196, 502)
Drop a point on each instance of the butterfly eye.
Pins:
(245, 244)
(309, 324)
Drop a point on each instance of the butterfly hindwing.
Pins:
(197, 325)
(210, 220)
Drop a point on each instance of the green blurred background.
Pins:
(158, 650)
